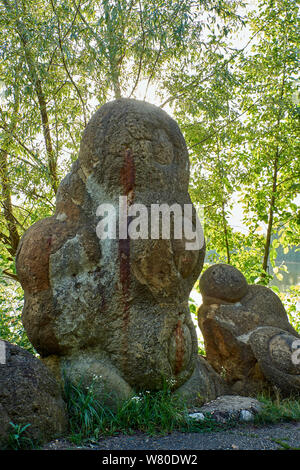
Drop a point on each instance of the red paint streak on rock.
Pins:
(179, 339)
(128, 175)
(127, 179)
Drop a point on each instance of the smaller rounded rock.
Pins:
(223, 281)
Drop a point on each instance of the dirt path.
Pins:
(242, 437)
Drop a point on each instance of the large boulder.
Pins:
(29, 394)
(247, 335)
(115, 311)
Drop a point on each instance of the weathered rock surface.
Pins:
(29, 394)
(232, 407)
(224, 283)
(204, 385)
(115, 308)
(248, 338)
(274, 349)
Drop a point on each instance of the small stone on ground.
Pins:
(231, 407)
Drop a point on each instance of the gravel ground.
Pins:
(245, 437)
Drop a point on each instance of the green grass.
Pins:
(284, 445)
(276, 410)
(154, 413)
(86, 413)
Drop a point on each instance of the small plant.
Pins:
(201, 348)
(17, 439)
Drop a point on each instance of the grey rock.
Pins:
(29, 394)
(197, 416)
(231, 407)
(274, 350)
(246, 416)
(204, 384)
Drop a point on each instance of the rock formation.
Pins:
(115, 311)
(248, 338)
(29, 394)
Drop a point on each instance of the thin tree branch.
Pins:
(224, 125)
(10, 275)
(30, 152)
(65, 35)
(153, 70)
(196, 80)
(141, 54)
(64, 61)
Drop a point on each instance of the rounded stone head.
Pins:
(134, 144)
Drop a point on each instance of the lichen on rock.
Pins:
(247, 334)
(29, 395)
(115, 307)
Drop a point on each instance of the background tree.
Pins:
(60, 60)
(242, 128)
(271, 130)
(233, 96)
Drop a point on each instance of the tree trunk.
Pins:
(225, 233)
(37, 84)
(271, 212)
(52, 164)
(10, 220)
(113, 57)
